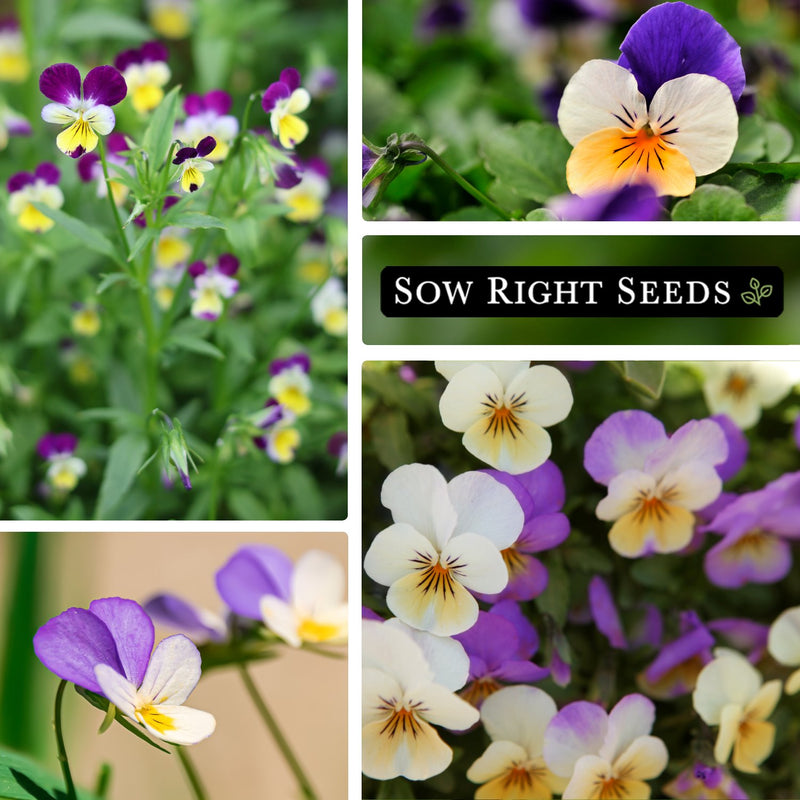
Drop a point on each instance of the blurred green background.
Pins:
(735, 251)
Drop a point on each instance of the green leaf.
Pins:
(158, 136)
(749, 298)
(23, 779)
(26, 513)
(714, 204)
(395, 789)
(779, 141)
(193, 219)
(530, 158)
(541, 215)
(391, 439)
(99, 23)
(195, 345)
(751, 144)
(124, 458)
(658, 572)
(765, 192)
(113, 279)
(303, 492)
(646, 377)
(246, 506)
(88, 236)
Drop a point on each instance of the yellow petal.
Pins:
(79, 134)
(754, 743)
(664, 528)
(31, 219)
(793, 683)
(729, 720)
(291, 130)
(146, 97)
(613, 158)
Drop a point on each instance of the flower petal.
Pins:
(318, 583)
(281, 619)
(397, 551)
(668, 530)
(763, 704)
(519, 714)
(513, 450)
(104, 86)
(61, 83)
(485, 507)
(546, 392)
(59, 114)
(101, 118)
(173, 672)
(464, 397)
(579, 729)
(117, 689)
(630, 719)
(476, 562)
(496, 759)
(179, 724)
(645, 758)
(728, 679)
(784, 637)
(439, 706)
(754, 743)
(249, 574)
(390, 650)
(697, 440)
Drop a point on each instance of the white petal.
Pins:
(299, 101)
(189, 725)
(597, 97)
(729, 679)
(505, 370)
(486, 507)
(623, 495)
(55, 112)
(476, 562)
(496, 759)
(173, 671)
(697, 440)
(441, 707)
(644, 759)
(392, 651)
(783, 642)
(101, 118)
(117, 688)
(519, 714)
(694, 485)
(631, 718)
(704, 113)
(464, 399)
(395, 552)
(377, 687)
(317, 583)
(281, 619)
(547, 394)
(417, 494)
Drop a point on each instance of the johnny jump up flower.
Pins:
(14, 62)
(193, 163)
(207, 115)
(664, 114)
(444, 544)
(12, 124)
(212, 285)
(306, 198)
(39, 186)
(289, 382)
(91, 169)
(502, 408)
(84, 109)
(146, 72)
(64, 469)
(654, 481)
(283, 101)
(107, 650)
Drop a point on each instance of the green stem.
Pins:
(114, 210)
(191, 774)
(62, 750)
(459, 179)
(280, 739)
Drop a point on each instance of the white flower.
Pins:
(783, 644)
(329, 307)
(502, 408)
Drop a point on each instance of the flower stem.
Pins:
(191, 774)
(280, 739)
(459, 179)
(114, 210)
(62, 750)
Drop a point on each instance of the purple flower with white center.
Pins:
(337, 447)
(654, 481)
(39, 186)
(212, 285)
(638, 203)
(12, 124)
(280, 439)
(705, 783)
(108, 649)
(146, 72)
(202, 625)
(540, 492)
(757, 529)
(85, 109)
(289, 382)
(193, 163)
(209, 115)
(605, 614)
(64, 469)
(283, 101)
(90, 168)
(496, 657)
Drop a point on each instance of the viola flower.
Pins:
(638, 203)
(705, 782)
(172, 19)
(337, 447)
(39, 186)
(212, 285)
(495, 658)
(730, 692)
(654, 481)
(741, 389)
(401, 702)
(208, 115)
(146, 73)
(541, 495)
(84, 109)
(307, 197)
(283, 101)
(664, 114)
(193, 163)
(502, 408)
(14, 62)
(202, 625)
(757, 530)
(605, 754)
(784, 645)
(280, 439)
(107, 650)
(289, 382)
(12, 124)
(513, 766)
(444, 544)
(64, 469)
(253, 572)
(329, 307)
(90, 168)
(85, 319)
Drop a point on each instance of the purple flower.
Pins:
(495, 657)
(299, 361)
(705, 783)
(605, 613)
(540, 493)
(193, 163)
(64, 469)
(283, 101)
(627, 203)
(745, 635)
(84, 109)
(212, 285)
(755, 529)
(46, 173)
(148, 53)
(146, 72)
(208, 115)
(12, 124)
(27, 188)
(169, 609)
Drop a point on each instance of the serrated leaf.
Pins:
(530, 158)
(194, 219)
(714, 204)
(196, 345)
(90, 237)
(99, 23)
(124, 458)
(158, 136)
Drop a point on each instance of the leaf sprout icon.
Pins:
(758, 294)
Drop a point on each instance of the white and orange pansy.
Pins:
(444, 544)
(513, 767)
(605, 755)
(316, 610)
(157, 703)
(783, 644)
(503, 408)
(401, 702)
(654, 481)
(731, 693)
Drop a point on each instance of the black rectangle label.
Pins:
(519, 291)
